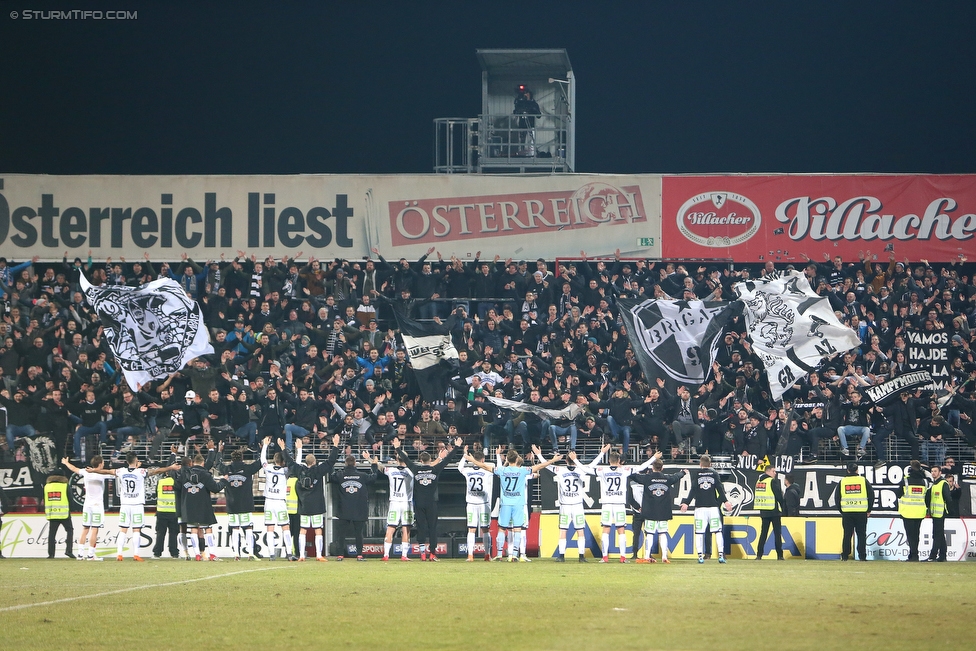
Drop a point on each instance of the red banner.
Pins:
(776, 218)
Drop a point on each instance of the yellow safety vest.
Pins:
(56, 505)
(165, 496)
(936, 503)
(911, 505)
(291, 499)
(764, 500)
(854, 494)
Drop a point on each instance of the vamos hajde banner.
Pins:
(775, 218)
(328, 216)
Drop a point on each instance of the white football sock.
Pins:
(662, 541)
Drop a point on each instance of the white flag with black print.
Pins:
(791, 326)
(153, 330)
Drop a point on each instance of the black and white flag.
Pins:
(792, 327)
(569, 412)
(431, 353)
(153, 330)
(675, 340)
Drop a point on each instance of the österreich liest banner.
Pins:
(775, 218)
(328, 216)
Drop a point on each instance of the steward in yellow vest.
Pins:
(769, 502)
(57, 508)
(854, 497)
(936, 499)
(167, 521)
(911, 506)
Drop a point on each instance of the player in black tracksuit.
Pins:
(311, 497)
(240, 503)
(656, 507)
(213, 457)
(353, 501)
(709, 494)
(425, 476)
(197, 508)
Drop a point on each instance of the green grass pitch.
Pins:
(453, 605)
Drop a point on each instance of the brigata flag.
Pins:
(675, 340)
(791, 326)
(431, 352)
(153, 330)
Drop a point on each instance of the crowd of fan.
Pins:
(310, 348)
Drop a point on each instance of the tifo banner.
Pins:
(328, 216)
(739, 474)
(813, 538)
(775, 218)
(928, 350)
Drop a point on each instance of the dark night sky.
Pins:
(353, 87)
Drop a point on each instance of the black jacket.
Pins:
(353, 495)
(240, 486)
(425, 477)
(311, 497)
(197, 484)
(657, 502)
(706, 489)
(791, 501)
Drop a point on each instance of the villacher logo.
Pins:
(718, 219)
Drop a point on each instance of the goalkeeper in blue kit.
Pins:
(514, 497)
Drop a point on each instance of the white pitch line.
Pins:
(138, 587)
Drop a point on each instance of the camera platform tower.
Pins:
(528, 106)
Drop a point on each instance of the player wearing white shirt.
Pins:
(275, 491)
(570, 483)
(130, 481)
(478, 485)
(93, 511)
(401, 507)
(613, 499)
